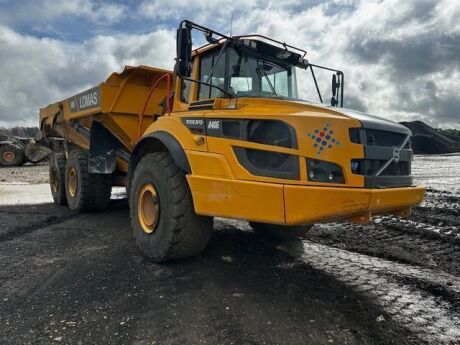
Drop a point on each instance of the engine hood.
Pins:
(306, 108)
(367, 120)
(375, 122)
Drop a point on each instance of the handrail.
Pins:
(168, 108)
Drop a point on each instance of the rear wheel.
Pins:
(11, 156)
(85, 191)
(280, 232)
(163, 219)
(57, 177)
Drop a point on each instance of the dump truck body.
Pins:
(116, 104)
(242, 148)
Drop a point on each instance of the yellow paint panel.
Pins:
(261, 202)
(305, 119)
(131, 99)
(173, 125)
(211, 164)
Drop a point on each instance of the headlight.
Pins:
(322, 171)
(355, 166)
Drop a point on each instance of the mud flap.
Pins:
(103, 150)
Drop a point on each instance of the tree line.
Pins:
(27, 132)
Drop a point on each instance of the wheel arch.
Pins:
(157, 142)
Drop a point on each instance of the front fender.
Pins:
(160, 141)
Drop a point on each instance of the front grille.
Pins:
(385, 163)
(372, 166)
(375, 137)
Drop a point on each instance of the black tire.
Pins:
(57, 177)
(178, 231)
(92, 191)
(280, 232)
(11, 156)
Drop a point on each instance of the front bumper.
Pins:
(320, 204)
(294, 204)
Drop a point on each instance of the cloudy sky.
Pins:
(401, 59)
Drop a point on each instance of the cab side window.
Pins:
(217, 78)
(279, 81)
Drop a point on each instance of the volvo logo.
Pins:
(396, 154)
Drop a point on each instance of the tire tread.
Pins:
(95, 188)
(189, 232)
(58, 158)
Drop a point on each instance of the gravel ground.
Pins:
(79, 279)
(28, 173)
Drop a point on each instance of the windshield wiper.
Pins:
(217, 61)
(209, 85)
(260, 71)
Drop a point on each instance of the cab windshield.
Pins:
(244, 74)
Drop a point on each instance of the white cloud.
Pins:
(400, 58)
(47, 10)
(36, 72)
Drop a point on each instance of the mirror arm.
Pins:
(316, 83)
(208, 32)
(342, 80)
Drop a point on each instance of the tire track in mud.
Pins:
(429, 238)
(440, 211)
(422, 227)
(393, 240)
(403, 291)
(442, 200)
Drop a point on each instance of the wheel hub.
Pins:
(73, 182)
(8, 156)
(148, 208)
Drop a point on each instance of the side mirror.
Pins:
(335, 88)
(183, 65)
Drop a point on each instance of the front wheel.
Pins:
(280, 232)
(163, 219)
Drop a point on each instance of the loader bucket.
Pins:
(36, 152)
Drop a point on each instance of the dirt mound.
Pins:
(427, 140)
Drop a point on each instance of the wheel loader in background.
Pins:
(15, 151)
(225, 135)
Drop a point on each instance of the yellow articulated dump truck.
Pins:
(225, 134)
